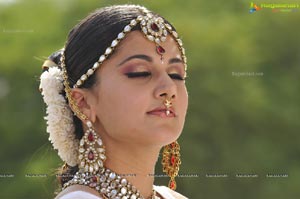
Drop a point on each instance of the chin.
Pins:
(166, 137)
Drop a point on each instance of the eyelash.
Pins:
(146, 74)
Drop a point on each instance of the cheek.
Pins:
(183, 99)
(119, 105)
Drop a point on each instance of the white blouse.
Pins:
(164, 191)
(78, 195)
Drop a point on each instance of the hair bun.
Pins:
(53, 60)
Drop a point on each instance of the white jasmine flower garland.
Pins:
(59, 117)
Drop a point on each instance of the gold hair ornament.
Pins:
(72, 102)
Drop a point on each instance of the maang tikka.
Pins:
(155, 30)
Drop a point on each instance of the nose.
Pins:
(166, 88)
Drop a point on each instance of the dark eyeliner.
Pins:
(176, 76)
(137, 74)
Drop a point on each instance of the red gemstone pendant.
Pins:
(91, 137)
(173, 185)
(94, 179)
(172, 160)
(91, 155)
(154, 27)
(160, 50)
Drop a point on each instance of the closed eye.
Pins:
(176, 76)
(138, 74)
(146, 74)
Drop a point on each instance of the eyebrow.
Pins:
(175, 60)
(148, 59)
(139, 56)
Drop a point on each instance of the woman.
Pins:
(115, 96)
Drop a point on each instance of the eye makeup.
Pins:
(139, 66)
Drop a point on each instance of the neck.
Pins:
(135, 163)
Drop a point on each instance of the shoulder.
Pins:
(78, 192)
(168, 193)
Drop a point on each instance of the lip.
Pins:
(161, 112)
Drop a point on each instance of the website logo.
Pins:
(275, 7)
(254, 7)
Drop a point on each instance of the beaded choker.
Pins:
(109, 184)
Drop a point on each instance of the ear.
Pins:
(85, 102)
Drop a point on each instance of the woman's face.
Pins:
(133, 82)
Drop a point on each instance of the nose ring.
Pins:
(168, 104)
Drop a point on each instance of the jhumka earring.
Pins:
(171, 156)
(91, 157)
(171, 161)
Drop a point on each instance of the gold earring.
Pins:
(171, 161)
(91, 158)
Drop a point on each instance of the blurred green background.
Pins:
(243, 84)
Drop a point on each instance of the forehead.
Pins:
(135, 42)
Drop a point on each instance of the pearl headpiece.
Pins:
(154, 28)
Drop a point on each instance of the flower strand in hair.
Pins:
(59, 116)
